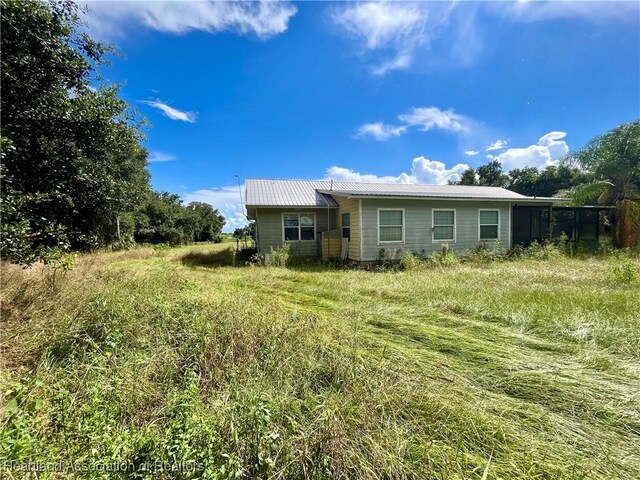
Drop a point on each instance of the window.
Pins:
(390, 226)
(346, 226)
(489, 224)
(299, 226)
(444, 225)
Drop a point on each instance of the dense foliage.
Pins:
(72, 163)
(530, 181)
(163, 218)
(613, 159)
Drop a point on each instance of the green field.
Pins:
(517, 369)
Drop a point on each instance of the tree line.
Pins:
(606, 171)
(73, 170)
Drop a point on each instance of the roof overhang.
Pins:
(358, 195)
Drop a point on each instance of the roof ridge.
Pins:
(373, 183)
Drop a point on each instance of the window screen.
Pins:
(444, 222)
(390, 224)
(489, 224)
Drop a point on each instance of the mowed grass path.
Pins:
(523, 369)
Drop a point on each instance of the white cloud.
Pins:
(497, 145)
(263, 19)
(471, 153)
(427, 118)
(596, 12)
(423, 118)
(554, 142)
(380, 131)
(403, 60)
(422, 171)
(392, 29)
(549, 149)
(341, 174)
(157, 157)
(171, 112)
(228, 202)
(432, 171)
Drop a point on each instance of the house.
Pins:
(364, 218)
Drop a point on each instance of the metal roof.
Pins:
(308, 193)
(288, 193)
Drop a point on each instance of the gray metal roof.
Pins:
(308, 193)
(288, 193)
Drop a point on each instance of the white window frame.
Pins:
(433, 224)
(404, 221)
(480, 239)
(315, 226)
(342, 227)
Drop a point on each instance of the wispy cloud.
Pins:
(427, 118)
(592, 11)
(390, 31)
(471, 153)
(421, 118)
(422, 171)
(549, 149)
(497, 145)
(171, 112)
(380, 131)
(263, 19)
(158, 157)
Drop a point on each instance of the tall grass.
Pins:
(524, 369)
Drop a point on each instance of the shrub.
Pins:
(125, 243)
(411, 261)
(623, 271)
(279, 256)
(444, 258)
(542, 251)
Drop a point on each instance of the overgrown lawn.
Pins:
(516, 369)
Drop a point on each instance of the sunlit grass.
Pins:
(307, 372)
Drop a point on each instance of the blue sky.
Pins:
(392, 91)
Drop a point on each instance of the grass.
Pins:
(524, 369)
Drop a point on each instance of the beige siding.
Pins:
(352, 206)
(418, 226)
(270, 231)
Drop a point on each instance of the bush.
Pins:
(411, 261)
(279, 256)
(542, 251)
(623, 271)
(444, 258)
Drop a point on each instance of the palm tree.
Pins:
(613, 159)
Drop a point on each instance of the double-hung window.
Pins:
(489, 221)
(390, 226)
(444, 225)
(299, 226)
(346, 226)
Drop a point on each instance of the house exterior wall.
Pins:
(270, 229)
(351, 206)
(418, 226)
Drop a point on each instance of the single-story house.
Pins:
(364, 218)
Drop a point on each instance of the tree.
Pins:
(468, 177)
(491, 175)
(75, 162)
(162, 218)
(242, 234)
(533, 182)
(613, 160)
(207, 222)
